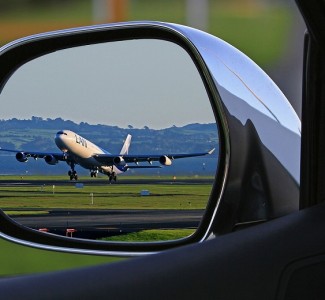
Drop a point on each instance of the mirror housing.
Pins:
(259, 132)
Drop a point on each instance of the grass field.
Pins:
(119, 196)
(18, 260)
(152, 235)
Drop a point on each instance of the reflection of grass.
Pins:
(25, 212)
(152, 235)
(119, 196)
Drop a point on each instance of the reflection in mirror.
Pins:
(144, 102)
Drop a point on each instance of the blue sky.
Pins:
(140, 83)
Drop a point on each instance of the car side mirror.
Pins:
(236, 126)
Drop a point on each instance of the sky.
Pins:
(140, 83)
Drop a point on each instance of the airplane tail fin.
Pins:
(126, 145)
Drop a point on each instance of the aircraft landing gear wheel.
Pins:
(73, 175)
(112, 177)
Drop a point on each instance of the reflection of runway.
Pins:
(96, 223)
(101, 181)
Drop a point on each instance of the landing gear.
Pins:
(73, 175)
(93, 174)
(112, 177)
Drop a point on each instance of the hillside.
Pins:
(38, 134)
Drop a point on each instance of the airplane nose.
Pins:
(59, 139)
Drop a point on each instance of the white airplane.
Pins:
(78, 150)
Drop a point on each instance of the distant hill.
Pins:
(37, 134)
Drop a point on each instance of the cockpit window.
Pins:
(61, 132)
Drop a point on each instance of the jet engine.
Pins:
(21, 156)
(50, 159)
(164, 160)
(118, 160)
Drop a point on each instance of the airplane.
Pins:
(77, 150)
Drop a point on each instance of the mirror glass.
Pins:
(114, 141)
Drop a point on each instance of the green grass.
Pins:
(259, 31)
(25, 213)
(261, 34)
(152, 235)
(64, 197)
(26, 135)
(18, 260)
(119, 196)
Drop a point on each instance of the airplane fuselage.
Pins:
(77, 150)
(82, 151)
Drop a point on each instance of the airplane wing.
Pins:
(24, 155)
(164, 159)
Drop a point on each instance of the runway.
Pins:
(101, 223)
(104, 181)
